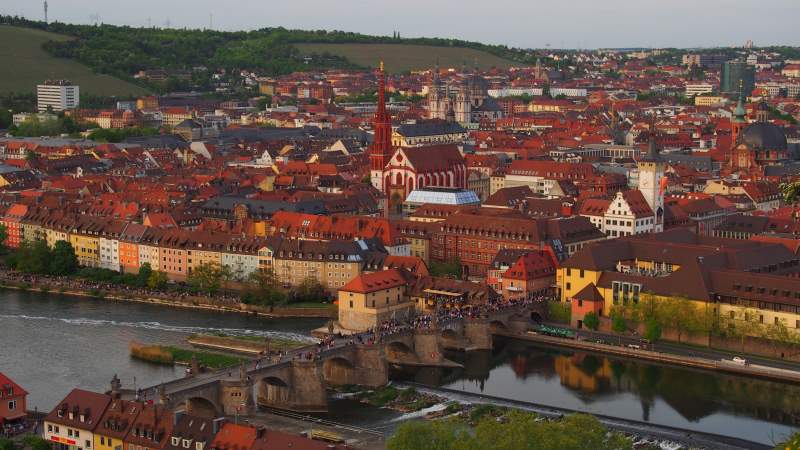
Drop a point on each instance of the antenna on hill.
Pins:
(45, 11)
(149, 22)
(210, 21)
(95, 18)
(167, 23)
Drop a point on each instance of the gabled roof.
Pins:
(589, 293)
(377, 281)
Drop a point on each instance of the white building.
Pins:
(57, 95)
(109, 253)
(695, 89)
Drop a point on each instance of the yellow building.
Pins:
(331, 263)
(736, 281)
(709, 100)
(87, 249)
(372, 298)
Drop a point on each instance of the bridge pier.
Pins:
(371, 368)
(427, 346)
(478, 334)
(299, 387)
(237, 397)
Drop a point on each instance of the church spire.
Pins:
(739, 112)
(381, 148)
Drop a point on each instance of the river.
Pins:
(51, 343)
(746, 408)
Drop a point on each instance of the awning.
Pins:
(450, 294)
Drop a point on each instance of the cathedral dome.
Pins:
(763, 136)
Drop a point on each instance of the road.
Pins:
(684, 350)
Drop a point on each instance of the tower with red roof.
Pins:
(381, 149)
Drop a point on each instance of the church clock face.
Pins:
(647, 182)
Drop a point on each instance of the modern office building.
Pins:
(734, 73)
(57, 95)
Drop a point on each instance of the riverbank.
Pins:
(78, 288)
(632, 428)
(169, 355)
(759, 371)
(246, 345)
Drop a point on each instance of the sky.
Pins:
(519, 23)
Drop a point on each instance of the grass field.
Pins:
(24, 65)
(403, 57)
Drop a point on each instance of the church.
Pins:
(466, 103)
(396, 171)
(757, 146)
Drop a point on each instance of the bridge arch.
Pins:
(273, 391)
(450, 334)
(536, 317)
(399, 351)
(497, 325)
(202, 407)
(338, 371)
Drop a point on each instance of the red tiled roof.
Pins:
(376, 281)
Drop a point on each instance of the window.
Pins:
(12, 405)
(88, 444)
(581, 274)
(102, 440)
(732, 314)
(50, 427)
(569, 286)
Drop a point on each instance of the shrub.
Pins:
(558, 312)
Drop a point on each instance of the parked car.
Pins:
(740, 360)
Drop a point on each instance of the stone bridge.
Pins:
(298, 383)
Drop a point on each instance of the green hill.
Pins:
(25, 64)
(403, 57)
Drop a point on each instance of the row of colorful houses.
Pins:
(126, 246)
(86, 420)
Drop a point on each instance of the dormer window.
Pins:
(176, 441)
(187, 443)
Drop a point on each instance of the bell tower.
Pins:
(381, 149)
(651, 181)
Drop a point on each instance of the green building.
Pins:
(734, 72)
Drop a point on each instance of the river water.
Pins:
(53, 343)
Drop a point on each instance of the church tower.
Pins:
(381, 149)
(651, 181)
(739, 120)
(436, 104)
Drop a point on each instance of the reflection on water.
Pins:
(712, 402)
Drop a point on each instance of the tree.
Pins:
(157, 280)
(518, 430)
(309, 290)
(3, 236)
(558, 312)
(64, 261)
(591, 321)
(264, 102)
(145, 270)
(793, 443)
(209, 277)
(681, 312)
(33, 442)
(618, 323)
(450, 268)
(264, 289)
(652, 330)
(32, 257)
(7, 444)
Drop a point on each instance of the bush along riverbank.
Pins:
(167, 354)
(170, 295)
(248, 345)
